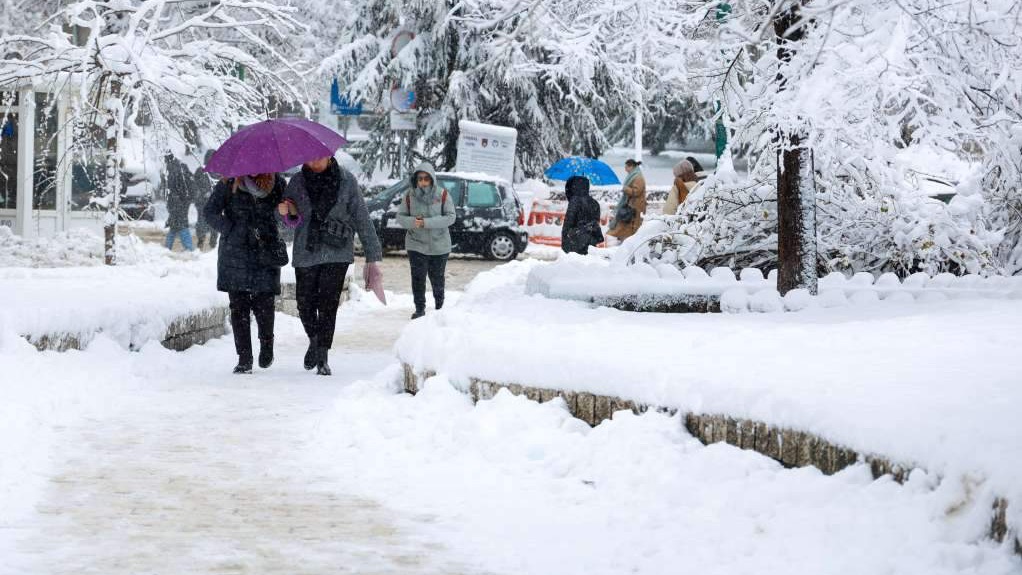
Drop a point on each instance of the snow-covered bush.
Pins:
(869, 222)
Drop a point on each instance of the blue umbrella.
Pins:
(599, 173)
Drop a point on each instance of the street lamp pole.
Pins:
(638, 106)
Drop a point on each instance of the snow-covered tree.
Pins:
(170, 63)
(559, 71)
(868, 81)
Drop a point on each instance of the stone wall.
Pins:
(185, 331)
(792, 448)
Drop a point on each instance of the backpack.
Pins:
(443, 200)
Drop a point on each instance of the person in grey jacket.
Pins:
(427, 212)
(325, 207)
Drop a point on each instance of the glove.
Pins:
(373, 278)
(371, 271)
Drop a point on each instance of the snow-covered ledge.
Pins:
(667, 289)
(790, 447)
(897, 384)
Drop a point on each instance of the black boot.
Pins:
(418, 313)
(244, 364)
(240, 324)
(439, 302)
(265, 352)
(310, 354)
(322, 367)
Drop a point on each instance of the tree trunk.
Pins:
(796, 183)
(796, 218)
(115, 117)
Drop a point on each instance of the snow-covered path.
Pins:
(164, 463)
(206, 472)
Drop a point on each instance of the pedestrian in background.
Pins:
(242, 210)
(632, 205)
(581, 227)
(684, 182)
(427, 213)
(180, 189)
(325, 207)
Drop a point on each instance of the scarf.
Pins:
(322, 189)
(248, 185)
(628, 181)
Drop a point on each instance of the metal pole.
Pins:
(400, 153)
(638, 107)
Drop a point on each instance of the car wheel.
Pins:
(501, 247)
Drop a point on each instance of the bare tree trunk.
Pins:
(796, 183)
(796, 218)
(113, 172)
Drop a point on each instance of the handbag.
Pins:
(624, 214)
(336, 233)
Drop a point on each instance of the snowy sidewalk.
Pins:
(200, 471)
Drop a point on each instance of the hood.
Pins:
(423, 167)
(576, 186)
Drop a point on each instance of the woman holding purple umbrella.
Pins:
(242, 210)
(325, 207)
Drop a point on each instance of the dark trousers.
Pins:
(432, 266)
(318, 290)
(243, 306)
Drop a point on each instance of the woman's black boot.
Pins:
(265, 352)
(310, 354)
(322, 367)
(244, 364)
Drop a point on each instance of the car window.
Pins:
(454, 189)
(483, 195)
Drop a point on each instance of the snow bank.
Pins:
(936, 383)
(75, 248)
(584, 279)
(129, 304)
(522, 487)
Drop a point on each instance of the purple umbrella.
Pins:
(273, 146)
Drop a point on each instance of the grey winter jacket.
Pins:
(437, 213)
(350, 207)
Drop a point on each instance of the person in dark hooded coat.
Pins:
(244, 211)
(582, 221)
(180, 190)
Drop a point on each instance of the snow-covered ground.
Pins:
(161, 462)
(935, 384)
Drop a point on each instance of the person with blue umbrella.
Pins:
(597, 172)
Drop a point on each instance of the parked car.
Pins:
(490, 219)
(137, 205)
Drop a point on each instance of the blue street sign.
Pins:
(341, 104)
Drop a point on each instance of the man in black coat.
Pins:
(179, 184)
(581, 227)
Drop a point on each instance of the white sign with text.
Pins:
(488, 149)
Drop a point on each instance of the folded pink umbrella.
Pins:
(374, 281)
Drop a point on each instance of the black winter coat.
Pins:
(241, 219)
(180, 190)
(581, 227)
